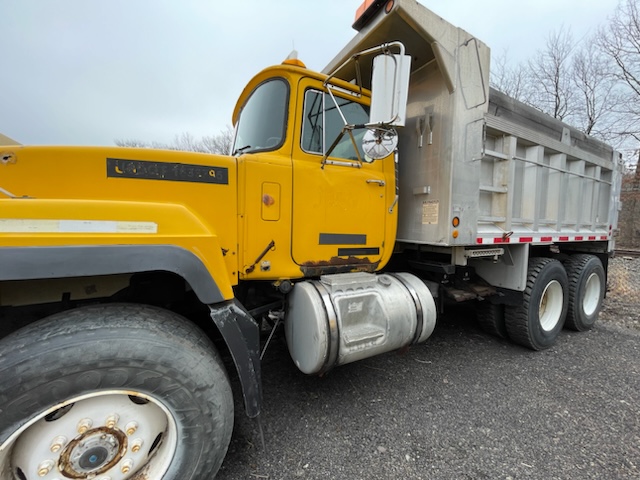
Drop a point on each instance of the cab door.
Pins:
(263, 134)
(340, 209)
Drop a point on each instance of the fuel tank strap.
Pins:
(332, 324)
(416, 301)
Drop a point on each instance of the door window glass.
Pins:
(314, 131)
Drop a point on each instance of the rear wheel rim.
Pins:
(592, 290)
(110, 434)
(551, 304)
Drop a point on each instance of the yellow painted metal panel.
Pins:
(339, 212)
(271, 203)
(270, 169)
(66, 196)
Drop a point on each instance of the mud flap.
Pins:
(242, 336)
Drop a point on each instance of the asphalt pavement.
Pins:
(463, 405)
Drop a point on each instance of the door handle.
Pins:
(380, 183)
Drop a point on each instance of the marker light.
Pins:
(389, 6)
(455, 222)
(363, 8)
(368, 10)
(292, 59)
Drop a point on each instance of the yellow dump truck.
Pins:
(356, 205)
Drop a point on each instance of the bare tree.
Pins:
(551, 87)
(220, 143)
(186, 142)
(598, 95)
(620, 41)
(129, 142)
(510, 80)
(571, 82)
(215, 144)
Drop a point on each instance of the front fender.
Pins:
(49, 238)
(31, 263)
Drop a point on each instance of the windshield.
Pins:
(263, 118)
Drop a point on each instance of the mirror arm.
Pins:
(355, 147)
(344, 120)
(358, 76)
(346, 129)
(384, 48)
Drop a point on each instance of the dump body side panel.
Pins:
(509, 173)
(543, 181)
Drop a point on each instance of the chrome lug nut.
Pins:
(112, 420)
(127, 465)
(131, 428)
(45, 467)
(84, 425)
(136, 445)
(58, 442)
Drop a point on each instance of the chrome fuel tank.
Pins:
(343, 318)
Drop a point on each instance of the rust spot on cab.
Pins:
(338, 265)
(7, 158)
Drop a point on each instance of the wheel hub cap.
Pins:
(94, 452)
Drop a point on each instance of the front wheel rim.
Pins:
(551, 304)
(110, 434)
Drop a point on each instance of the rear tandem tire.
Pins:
(538, 321)
(114, 391)
(491, 319)
(586, 291)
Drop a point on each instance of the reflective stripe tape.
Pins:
(25, 225)
(546, 239)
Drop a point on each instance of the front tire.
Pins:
(586, 291)
(538, 321)
(111, 392)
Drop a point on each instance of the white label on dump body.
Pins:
(430, 210)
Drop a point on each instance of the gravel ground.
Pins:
(622, 305)
(462, 406)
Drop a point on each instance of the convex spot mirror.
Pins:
(379, 143)
(390, 90)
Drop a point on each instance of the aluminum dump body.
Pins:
(508, 172)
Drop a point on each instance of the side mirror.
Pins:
(379, 143)
(390, 90)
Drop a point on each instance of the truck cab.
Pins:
(301, 212)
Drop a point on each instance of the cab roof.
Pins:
(293, 74)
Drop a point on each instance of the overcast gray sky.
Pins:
(88, 72)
